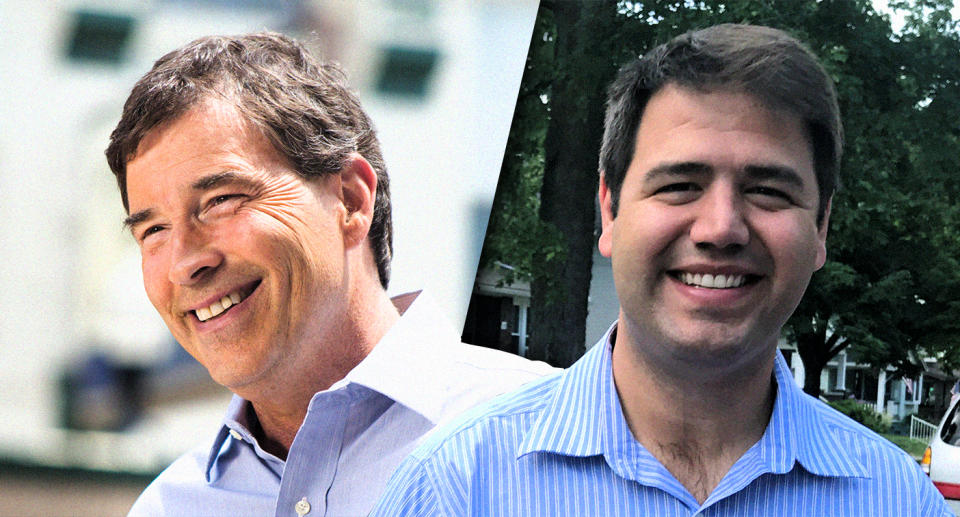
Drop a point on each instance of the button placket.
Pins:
(311, 463)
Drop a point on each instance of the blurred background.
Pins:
(96, 396)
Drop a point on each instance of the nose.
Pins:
(192, 257)
(720, 220)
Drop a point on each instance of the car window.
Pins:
(949, 433)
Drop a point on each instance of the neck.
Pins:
(281, 405)
(696, 424)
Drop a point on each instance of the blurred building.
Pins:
(439, 79)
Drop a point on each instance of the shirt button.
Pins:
(236, 435)
(302, 507)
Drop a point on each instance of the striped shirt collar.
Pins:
(584, 418)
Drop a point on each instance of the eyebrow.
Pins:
(678, 169)
(202, 184)
(136, 218)
(219, 178)
(757, 172)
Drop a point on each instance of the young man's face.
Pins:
(716, 235)
(223, 220)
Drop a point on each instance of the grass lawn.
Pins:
(913, 447)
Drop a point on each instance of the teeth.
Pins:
(218, 307)
(713, 281)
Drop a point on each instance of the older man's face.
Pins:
(242, 257)
(716, 236)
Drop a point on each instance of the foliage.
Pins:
(866, 414)
(515, 229)
(888, 287)
(893, 249)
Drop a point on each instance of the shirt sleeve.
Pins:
(147, 505)
(410, 492)
(933, 503)
(938, 506)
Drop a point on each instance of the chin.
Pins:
(722, 345)
(233, 376)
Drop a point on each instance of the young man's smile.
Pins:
(715, 236)
(717, 287)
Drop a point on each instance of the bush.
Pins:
(866, 414)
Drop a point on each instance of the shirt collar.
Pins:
(574, 420)
(798, 431)
(584, 418)
(236, 422)
(394, 368)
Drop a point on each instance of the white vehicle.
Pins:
(942, 458)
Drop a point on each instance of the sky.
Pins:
(896, 20)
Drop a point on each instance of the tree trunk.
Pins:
(816, 350)
(558, 309)
(811, 381)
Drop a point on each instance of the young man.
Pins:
(257, 192)
(718, 164)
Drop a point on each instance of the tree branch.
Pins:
(835, 345)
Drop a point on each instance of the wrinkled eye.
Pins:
(222, 199)
(222, 204)
(150, 231)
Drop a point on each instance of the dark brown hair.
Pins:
(301, 105)
(765, 63)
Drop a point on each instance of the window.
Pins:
(99, 37)
(949, 432)
(406, 71)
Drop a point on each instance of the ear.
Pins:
(358, 192)
(605, 244)
(822, 236)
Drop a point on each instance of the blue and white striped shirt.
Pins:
(561, 446)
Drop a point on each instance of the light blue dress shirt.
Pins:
(561, 446)
(354, 435)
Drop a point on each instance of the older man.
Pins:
(718, 163)
(256, 190)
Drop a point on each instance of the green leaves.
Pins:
(890, 284)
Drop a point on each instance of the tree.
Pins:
(582, 68)
(550, 240)
(887, 288)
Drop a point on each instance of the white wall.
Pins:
(70, 276)
(603, 306)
